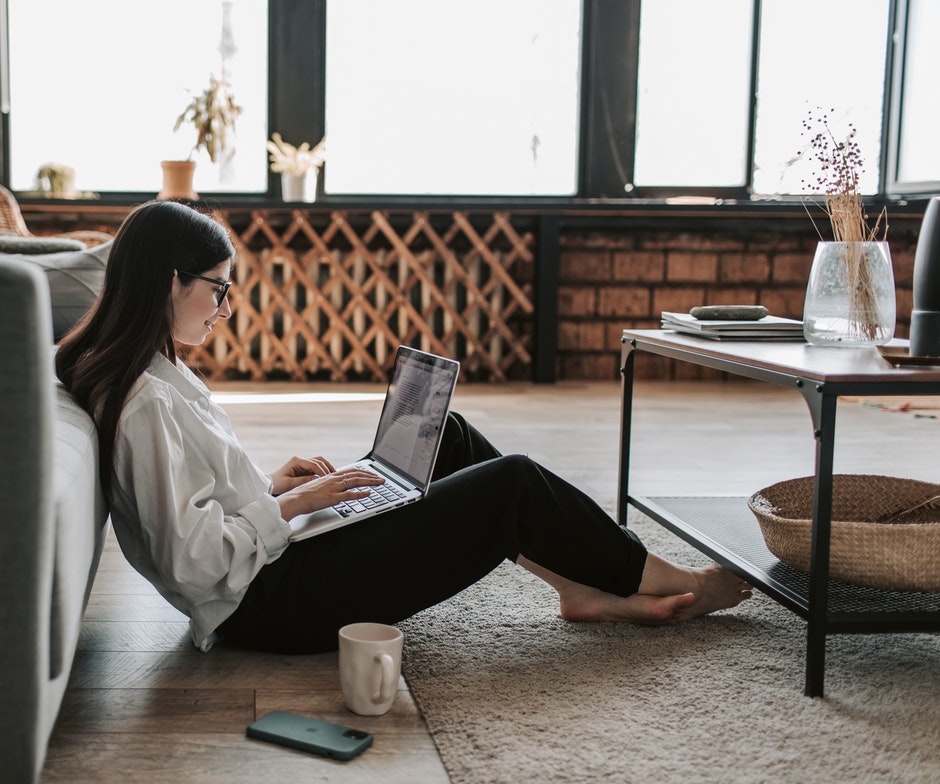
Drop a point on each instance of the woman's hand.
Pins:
(298, 470)
(324, 491)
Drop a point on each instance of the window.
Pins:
(425, 97)
(591, 99)
(692, 95)
(918, 157)
(100, 89)
(843, 72)
(693, 106)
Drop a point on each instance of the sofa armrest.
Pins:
(26, 517)
(53, 521)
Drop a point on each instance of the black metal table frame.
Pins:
(821, 398)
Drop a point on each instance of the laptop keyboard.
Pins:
(380, 495)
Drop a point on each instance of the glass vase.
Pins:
(850, 299)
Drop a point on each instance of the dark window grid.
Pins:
(610, 51)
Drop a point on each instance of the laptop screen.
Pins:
(415, 410)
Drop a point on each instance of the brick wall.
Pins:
(627, 268)
(611, 280)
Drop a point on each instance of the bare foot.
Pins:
(670, 594)
(594, 605)
(718, 592)
(718, 589)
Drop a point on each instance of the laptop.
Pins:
(407, 440)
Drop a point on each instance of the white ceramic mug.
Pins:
(369, 666)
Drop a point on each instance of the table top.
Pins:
(791, 358)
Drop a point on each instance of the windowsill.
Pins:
(678, 212)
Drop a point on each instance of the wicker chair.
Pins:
(13, 225)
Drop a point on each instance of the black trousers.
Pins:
(482, 508)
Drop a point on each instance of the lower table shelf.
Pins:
(725, 529)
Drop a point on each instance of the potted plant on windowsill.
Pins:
(213, 114)
(56, 181)
(295, 164)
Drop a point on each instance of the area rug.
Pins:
(511, 693)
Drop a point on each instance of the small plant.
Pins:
(213, 114)
(56, 179)
(288, 159)
(840, 169)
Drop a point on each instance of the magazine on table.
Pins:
(766, 328)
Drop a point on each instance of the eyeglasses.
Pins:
(221, 293)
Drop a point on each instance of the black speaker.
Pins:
(925, 317)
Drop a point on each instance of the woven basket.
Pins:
(885, 531)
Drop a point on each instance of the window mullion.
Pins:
(752, 99)
(610, 61)
(297, 73)
(893, 96)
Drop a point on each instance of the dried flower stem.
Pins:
(288, 159)
(841, 166)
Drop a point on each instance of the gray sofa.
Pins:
(53, 520)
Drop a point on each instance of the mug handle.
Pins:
(388, 683)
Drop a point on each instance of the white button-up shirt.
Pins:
(190, 510)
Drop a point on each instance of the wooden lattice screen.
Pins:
(331, 295)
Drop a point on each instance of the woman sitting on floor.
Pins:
(196, 517)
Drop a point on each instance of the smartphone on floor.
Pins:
(313, 735)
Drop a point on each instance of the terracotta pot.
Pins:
(178, 180)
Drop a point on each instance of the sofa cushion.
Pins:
(32, 245)
(75, 278)
(80, 517)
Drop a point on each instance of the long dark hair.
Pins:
(107, 351)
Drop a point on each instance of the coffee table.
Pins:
(725, 529)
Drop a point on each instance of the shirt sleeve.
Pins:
(208, 522)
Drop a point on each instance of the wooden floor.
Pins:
(144, 706)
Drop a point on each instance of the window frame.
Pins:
(296, 90)
(891, 184)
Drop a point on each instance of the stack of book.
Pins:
(766, 328)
